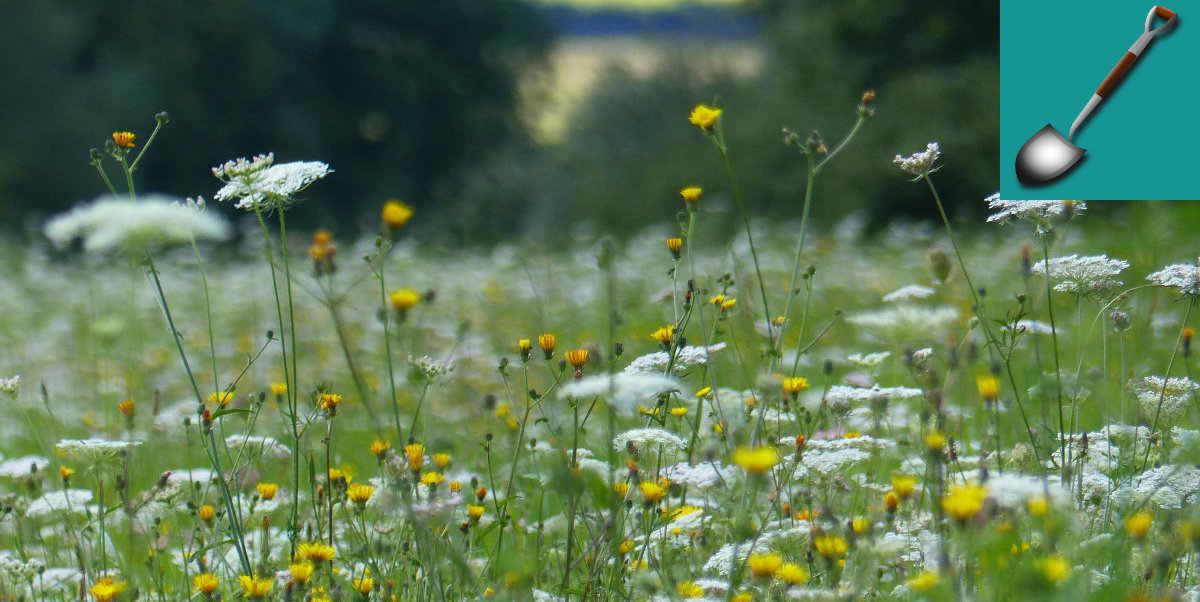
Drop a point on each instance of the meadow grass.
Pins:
(363, 417)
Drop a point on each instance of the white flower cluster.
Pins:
(1042, 214)
(1012, 490)
(23, 466)
(11, 386)
(919, 164)
(1175, 395)
(908, 293)
(905, 320)
(1166, 488)
(261, 185)
(258, 445)
(841, 397)
(70, 500)
(1033, 327)
(94, 449)
(648, 437)
(870, 360)
(624, 391)
(15, 570)
(827, 456)
(686, 357)
(1183, 276)
(108, 224)
(429, 369)
(782, 534)
(1082, 275)
(701, 477)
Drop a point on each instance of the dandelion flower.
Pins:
(756, 460)
(416, 456)
(663, 334)
(107, 590)
(1138, 525)
(329, 402)
(267, 491)
(123, 139)
(963, 502)
(691, 194)
(1054, 568)
(920, 164)
(432, 479)
(794, 385)
(316, 552)
(923, 582)
(206, 512)
(475, 511)
(221, 399)
(577, 357)
(261, 185)
(107, 225)
(363, 585)
(396, 214)
(255, 587)
(279, 389)
(379, 447)
(674, 245)
(301, 572)
(205, 583)
(704, 116)
(653, 491)
(831, 546)
(792, 574)
(546, 342)
(989, 386)
(689, 590)
(404, 299)
(764, 565)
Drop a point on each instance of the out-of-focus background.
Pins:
(502, 118)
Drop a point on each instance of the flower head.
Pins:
(261, 185)
(267, 490)
(404, 299)
(963, 502)
(691, 194)
(792, 574)
(546, 342)
(831, 546)
(764, 565)
(577, 357)
(107, 590)
(395, 214)
(756, 460)
(989, 386)
(329, 402)
(1182, 276)
(416, 456)
(205, 583)
(920, 164)
(652, 490)
(123, 139)
(794, 385)
(704, 116)
(221, 399)
(301, 572)
(674, 245)
(663, 334)
(359, 494)
(316, 552)
(255, 587)
(1044, 215)
(1138, 524)
(108, 225)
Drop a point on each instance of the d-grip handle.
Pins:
(1164, 12)
(1116, 74)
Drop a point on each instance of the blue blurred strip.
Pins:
(706, 22)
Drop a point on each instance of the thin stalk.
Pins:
(1162, 396)
(387, 342)
(1062, 433)
(699, 307)
(791, 292)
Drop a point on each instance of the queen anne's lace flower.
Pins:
(648, 436)
(920, 164)
(23, 466)
(93, 449)
(1183, 276)
(685, 357)
(261, 185)
(11, 386)
(908, 293)
(1082, 275)
(70, 500)
(624, 391)
(257, 444)
(108, 224)
(1042, 214)
(1175, 395)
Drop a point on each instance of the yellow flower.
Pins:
(222, 399)
(621, 489)
(903, 485)
(396, 214)
(416, 456)
(255, 587)
(891, 501)
(475, 512)
(455, 486)
(679, 412)
(830, 546)
(792, 574)
(301, 572)
(442, 460)
(1038, 506)
(380, 447)
(127, 408)
(925, 581)
(691, 194)
(704, 392)
(989, 386)
(935, 440)
(1054, 568)
(316, 552)
(1138, 525)
(123, 139)
(764, 565)
(267, 490)
(577, 357)
(756, 460)
(704, 116)
(794, 385)
(364, 585)
(404, 299)
(107, 590)
(546, 342)
(742, 597)
(860, 525)
(663, 334)
(205, 583)
(625, 547)
(652, 490)
(65, 472)
(337, 474)
(278, 389)
(964, 502)
(728, 304)
(206, 512)
(329, 402)
(359, 494)
(674, 245)
(524, 347)
(689, 590)
(432, 479)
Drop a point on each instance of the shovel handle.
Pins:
(1164, 12)
(1116, 74)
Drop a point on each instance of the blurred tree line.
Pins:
(417, 100)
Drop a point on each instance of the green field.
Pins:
(210, 408)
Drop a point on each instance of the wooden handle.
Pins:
(1164, 12)
(1116, 74)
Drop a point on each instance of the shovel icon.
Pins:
(1047, 155)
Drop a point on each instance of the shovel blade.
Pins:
(1046, 156)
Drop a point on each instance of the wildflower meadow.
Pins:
(206, 408)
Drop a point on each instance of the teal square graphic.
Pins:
(1140, 139)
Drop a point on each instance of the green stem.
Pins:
(1062, 432)
(737, 195)
(791, 292)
